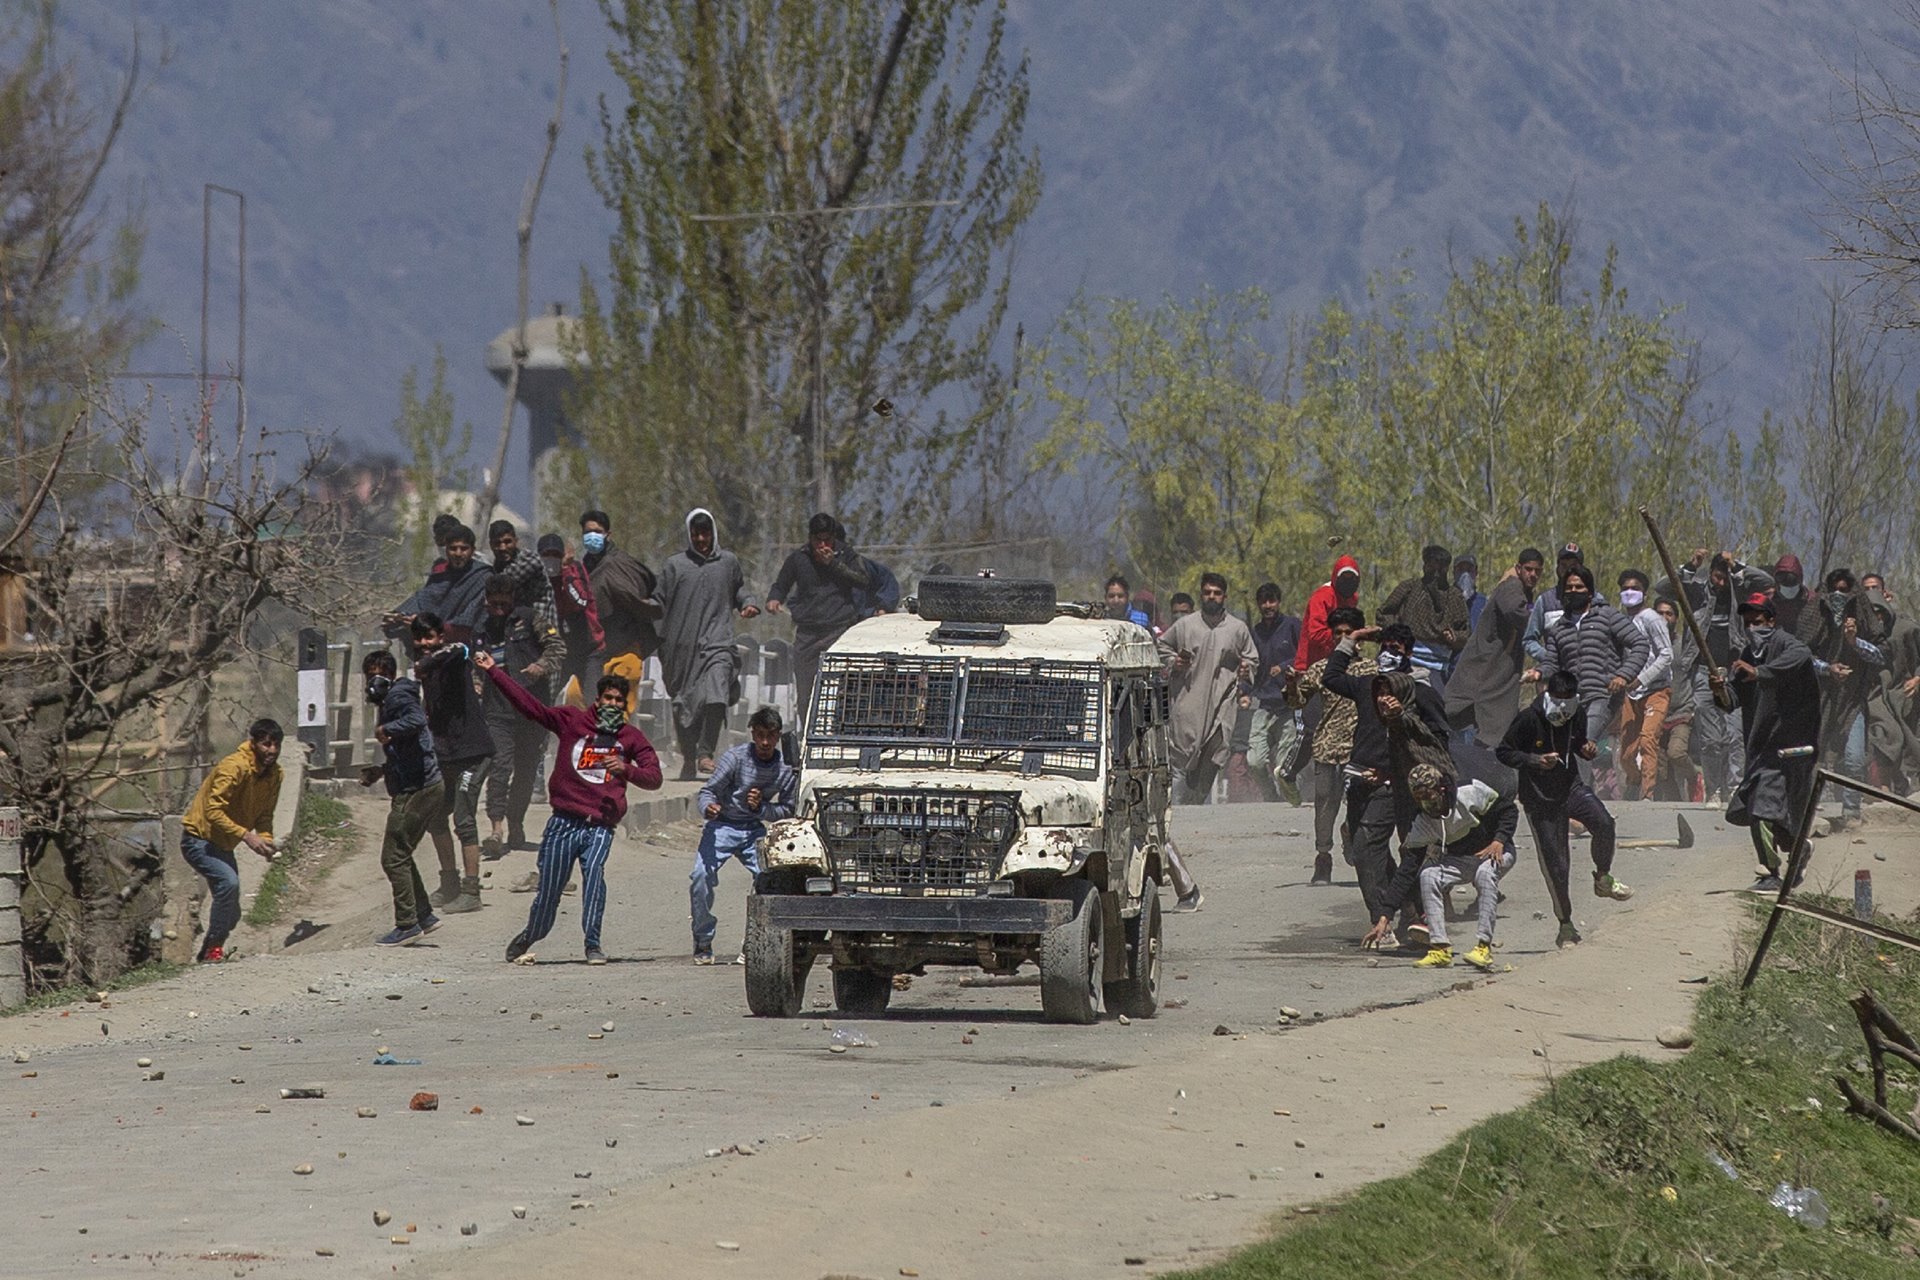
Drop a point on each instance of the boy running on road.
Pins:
(750, 787)
(599, 754)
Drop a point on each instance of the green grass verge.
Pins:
(320, 818)
(56, 996)
(1608, 1174)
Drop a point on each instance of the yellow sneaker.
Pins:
(1436, 958)
(1481, 957)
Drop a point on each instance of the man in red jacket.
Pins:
(1341, 592)
(599, 754)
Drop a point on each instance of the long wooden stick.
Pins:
(1722, 694)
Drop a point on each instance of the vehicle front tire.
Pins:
(776, 977)
(1138, 994)
(862, 993)
(1071, 957)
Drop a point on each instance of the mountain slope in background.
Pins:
(383, 150)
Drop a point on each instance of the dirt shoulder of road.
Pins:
(1176, 1162)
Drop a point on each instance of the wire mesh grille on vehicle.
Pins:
(917, 843)
(1053, 709)
(945, 712)
(886, 699)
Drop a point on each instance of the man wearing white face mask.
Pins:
(1541, 745)
(1644, 713)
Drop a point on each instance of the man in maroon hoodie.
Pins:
(599, 754)
(1341, 592)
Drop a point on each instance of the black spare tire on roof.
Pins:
(987, 599)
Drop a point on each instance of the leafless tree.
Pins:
(144, 595)
(1872, 176)
(68, 264)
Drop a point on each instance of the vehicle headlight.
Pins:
(995, 824)
(840, 821)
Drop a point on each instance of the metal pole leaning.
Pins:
(1795, 864)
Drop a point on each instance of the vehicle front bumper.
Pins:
(875, 913)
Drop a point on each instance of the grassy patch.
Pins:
(320, 821)
(1608, 1174)
(56, 996)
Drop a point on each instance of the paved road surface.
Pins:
(194, 1174)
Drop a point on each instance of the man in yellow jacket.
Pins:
(234, 808)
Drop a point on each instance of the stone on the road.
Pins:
(365, 1113)
(523, 1121)
(1675, 1037)
(381, 1217)
(519, 1211)
(303, 1169)
(143, 1062)
(469, 1228)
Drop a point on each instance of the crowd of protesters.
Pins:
(492, 658)
(1419, 735)
(1422, 734)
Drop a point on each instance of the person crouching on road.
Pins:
(1541, 745)
(1468, 834)
(750, 787)
(233, 809)
(599, 754)
(412, 775)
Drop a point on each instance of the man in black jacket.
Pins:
(1773, 678)
(1379, 806)
(530, 652)
(412, 775)
(816, 585)
(1541, 745)
(464, 745)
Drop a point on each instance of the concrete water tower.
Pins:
(546, 379)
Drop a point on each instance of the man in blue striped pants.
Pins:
(599, 754)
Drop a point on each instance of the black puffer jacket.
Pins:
(1596, 645)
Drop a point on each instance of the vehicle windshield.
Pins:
(886, 711)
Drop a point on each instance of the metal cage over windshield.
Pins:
(875, 710)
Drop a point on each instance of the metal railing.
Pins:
(1797, 864)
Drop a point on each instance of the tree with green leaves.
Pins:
(816, 202)
(1183, 411)
(1524, 405)
(436, 453)
(1527, 405)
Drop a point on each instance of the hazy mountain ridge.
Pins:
(1293, 146)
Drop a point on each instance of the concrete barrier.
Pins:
(13, 970)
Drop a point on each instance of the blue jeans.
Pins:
(568, 840)
(718, 842)
(222, 875)
(1853, 763)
